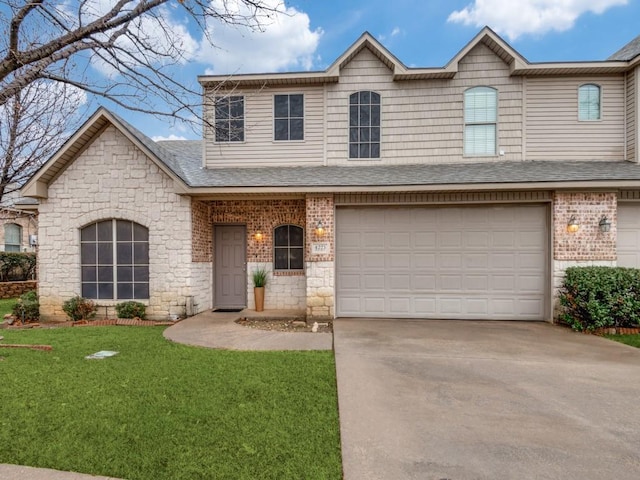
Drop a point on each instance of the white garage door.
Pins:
(446, 262)
(629, 235)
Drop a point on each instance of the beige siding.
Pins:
(553, 131)
(422, 121)
(632, 116)
(259, 149)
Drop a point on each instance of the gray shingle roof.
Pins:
(189, 155)
(630, 51)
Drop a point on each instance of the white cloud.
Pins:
(161, 138)
(515, 18)
(394, 33)
(284, 40)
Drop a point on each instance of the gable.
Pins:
(37, 185)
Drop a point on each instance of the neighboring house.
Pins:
(368, 189)
(18, 223)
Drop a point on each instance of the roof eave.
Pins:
(496, 186)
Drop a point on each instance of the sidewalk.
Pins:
(18, 472)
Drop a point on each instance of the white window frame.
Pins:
(475, 118)
(288, 118)
(589, 114)
(17, 231)
(229, 120)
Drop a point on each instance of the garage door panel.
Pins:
(373, 260)
(443, 262)
(449, 240)
(503, 239)
(629, 235)
(424, 260)
(424, 281)
(425, 240)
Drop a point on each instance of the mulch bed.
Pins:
(134, 322)
(284, 325)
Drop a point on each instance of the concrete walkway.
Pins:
(211, 330)
(218, 330)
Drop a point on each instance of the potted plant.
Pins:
(259, 281)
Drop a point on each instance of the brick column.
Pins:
(320, 266)
(588, 246)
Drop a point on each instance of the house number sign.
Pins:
(320, 248)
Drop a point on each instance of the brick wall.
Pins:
(588, 243)
(260, 216)
(112, 178)
(15, 289)
(320, 268)
(285, 290)
(588, 246)
(201, 232)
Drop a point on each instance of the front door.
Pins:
(230, 266)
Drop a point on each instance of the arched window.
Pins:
(288, 248)
(364, 125)
(12, 237)
(589, 104)
(480, 121)
(114, 257)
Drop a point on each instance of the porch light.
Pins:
(319, 228)
(573, 226)
(259, 236)
(604, 224)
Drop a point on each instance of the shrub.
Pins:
(600, 297)
(78, 308)
(27, 308)
(16, 266)
(259, 277)
(131, 309)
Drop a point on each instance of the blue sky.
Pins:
(421, 33)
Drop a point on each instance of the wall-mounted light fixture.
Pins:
(573, 226)
(604, 224)
(319, 228)
(258, 236)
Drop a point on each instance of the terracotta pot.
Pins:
(258, 293)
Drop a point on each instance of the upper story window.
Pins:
(589, 104)
(114, 258)
(364, 125)
(288, 117)
(229, 121)
(480, 121)
(288, 248)
(12, 237)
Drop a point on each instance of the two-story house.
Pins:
(367, 189)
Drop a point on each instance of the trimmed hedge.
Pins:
(17, 266)
(600, 297)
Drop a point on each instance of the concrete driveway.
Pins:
(485, 400)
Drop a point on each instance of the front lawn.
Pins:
(6, 306)
(633, 340)
(159, 410)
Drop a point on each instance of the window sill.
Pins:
(288, 273)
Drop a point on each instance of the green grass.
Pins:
(633, 340)
(6, 306)
(159, 410)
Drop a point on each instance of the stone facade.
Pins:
(15, 289)
(112, 178)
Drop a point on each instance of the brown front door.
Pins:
(230, 266)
